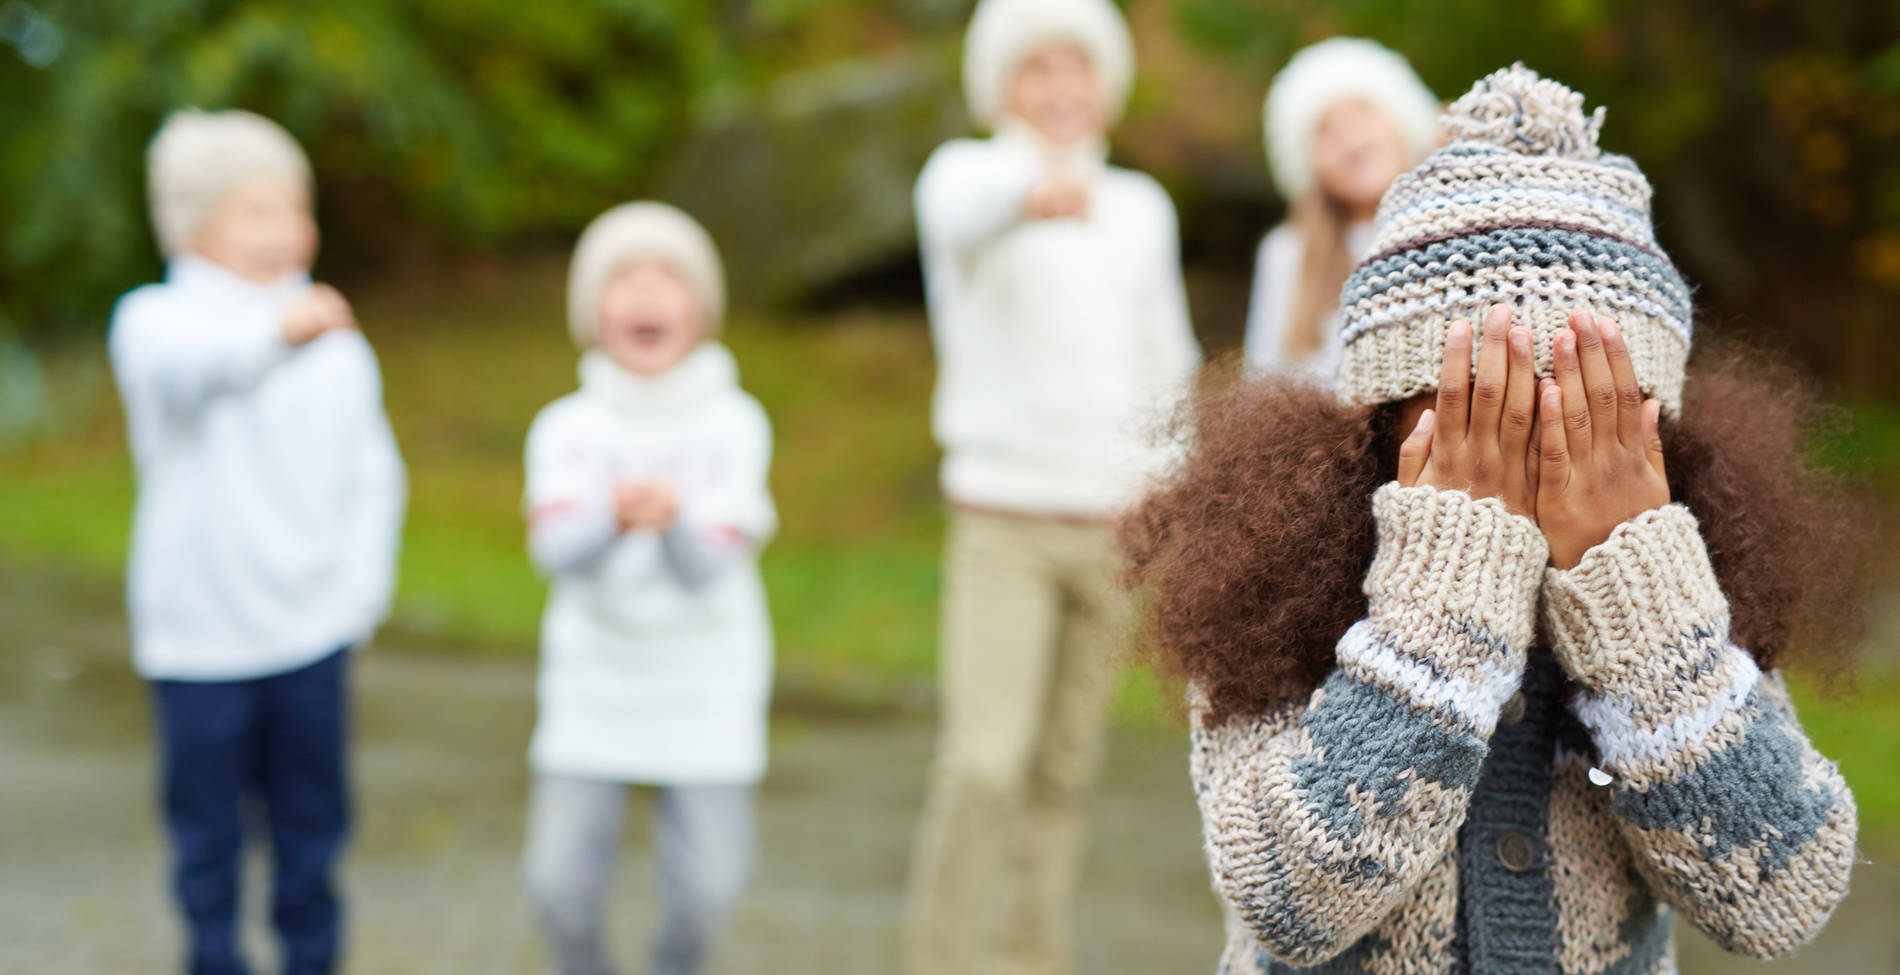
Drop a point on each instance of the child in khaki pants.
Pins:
(1060, 324)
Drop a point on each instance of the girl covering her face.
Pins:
(1482, 645)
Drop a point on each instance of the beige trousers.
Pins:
(1033, 625)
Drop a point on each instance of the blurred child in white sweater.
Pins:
(1061, 326)
(647, 505)
(264, 542)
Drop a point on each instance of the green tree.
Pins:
(428, 121)
(1771, 129)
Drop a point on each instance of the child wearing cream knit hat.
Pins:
(264, 541)
(1003, 32)
(643, 231)
(1482, 649)
(1060, 324)
(199, 157)
(1343, 119)
(647, 506)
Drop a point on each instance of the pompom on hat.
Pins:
(1323, 74)
(1521, 208)
(198, 157)
(1002, 32)
(642, 231)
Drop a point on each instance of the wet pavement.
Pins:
(441, 781)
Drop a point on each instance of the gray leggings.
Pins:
(703, 839)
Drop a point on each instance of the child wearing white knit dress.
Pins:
(647, 505)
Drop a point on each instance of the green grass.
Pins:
(852, 577)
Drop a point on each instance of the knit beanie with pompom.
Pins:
(1519, 208)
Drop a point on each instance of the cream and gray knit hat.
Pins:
(1519, 208)
(644, 231)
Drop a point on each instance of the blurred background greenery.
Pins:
(460, 144)
(459, 129)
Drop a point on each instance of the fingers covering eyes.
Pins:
(1553, 445)
(1416, 449)
(1629, 396)
(1652, 436)
(1520, 395)
(1454, 379)
(1599, 384)
(1487, 390)
(1574, 407)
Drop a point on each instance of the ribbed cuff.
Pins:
(1447, 553)
(1646, 589)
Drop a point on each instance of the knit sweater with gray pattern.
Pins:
(1434, 806)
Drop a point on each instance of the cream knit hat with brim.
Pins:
(197, 157)
(1002, 32)
(1519, 208)
(644, 231)
(1325, 73)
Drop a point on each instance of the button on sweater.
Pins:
(1394, 822)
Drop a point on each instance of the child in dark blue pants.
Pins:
(280, 741)
(264, 542)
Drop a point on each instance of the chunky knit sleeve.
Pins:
(1732, 815)
(1320, 819)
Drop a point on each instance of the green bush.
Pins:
(1771, 130)
(435, 126)
(467, 119)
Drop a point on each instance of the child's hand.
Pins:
(651, 505)
(1478, 439)
(321, 309)
(1602, 458)
(1057, 195)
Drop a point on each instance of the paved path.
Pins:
(442, 781)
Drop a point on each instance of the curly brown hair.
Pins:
(1250, 557)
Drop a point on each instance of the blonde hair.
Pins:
(197, 157)
(1324, 265)
(1316, 78)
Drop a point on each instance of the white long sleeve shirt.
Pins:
(271, 494)
(1276, 286)
(656, 648)
(1060, 343)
